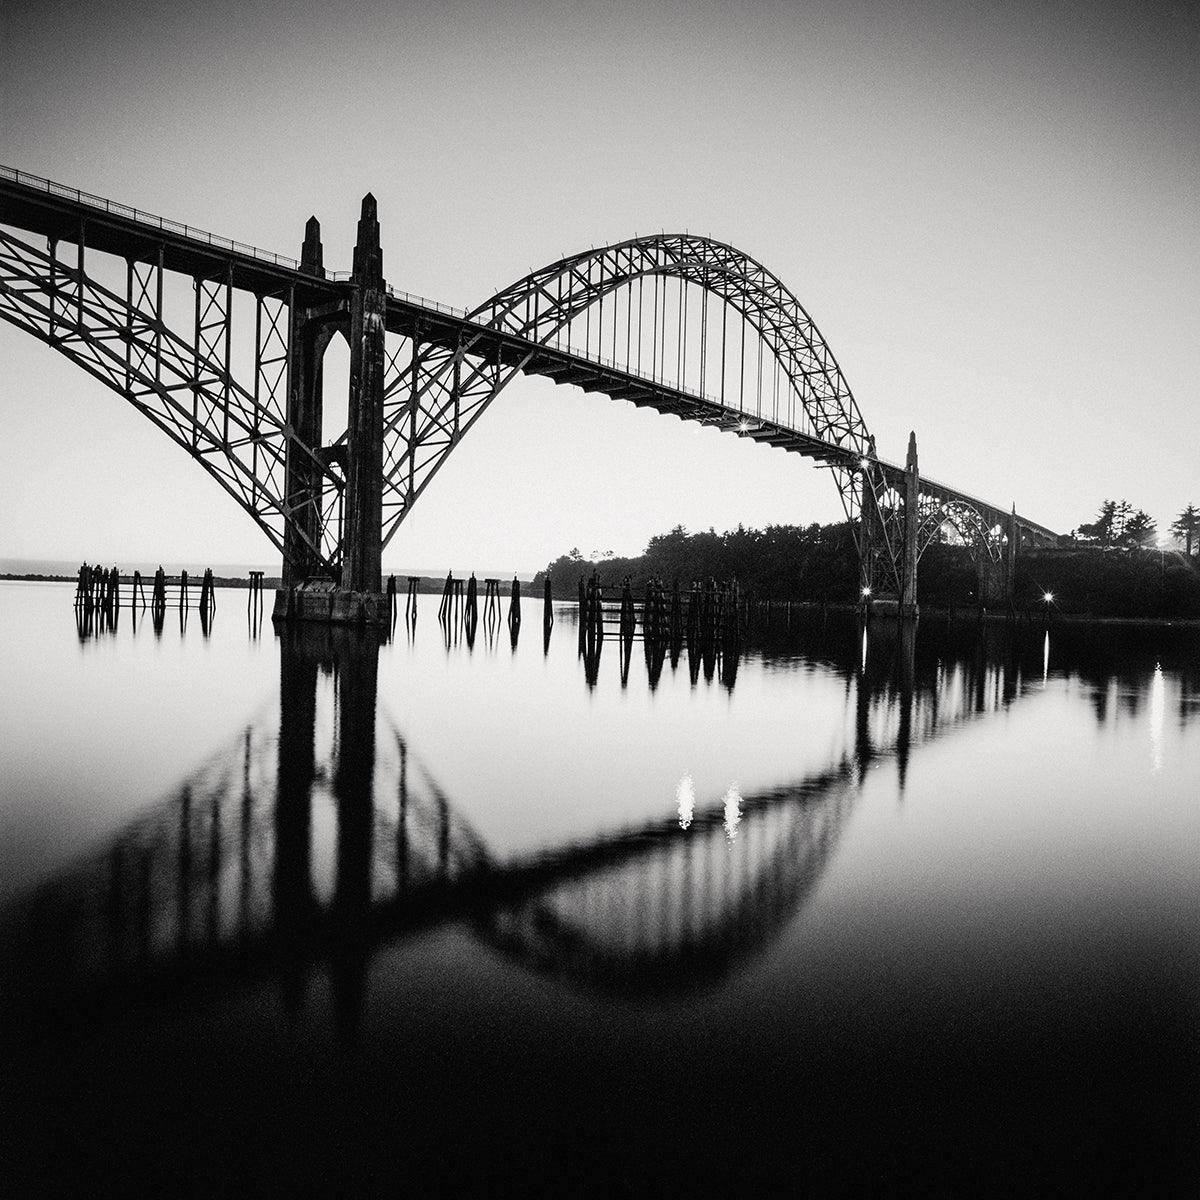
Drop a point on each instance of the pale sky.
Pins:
(993, 217)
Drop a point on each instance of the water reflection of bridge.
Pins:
(273, 856)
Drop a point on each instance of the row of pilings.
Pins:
(105, 589)
(710, 610)
(460, 606)
(709, 619)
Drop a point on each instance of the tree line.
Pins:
(820, 563)
(1119, 525)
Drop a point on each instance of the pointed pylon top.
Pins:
(912, 449)
(311, 260)
(368, 257)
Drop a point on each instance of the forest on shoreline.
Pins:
(819, 563)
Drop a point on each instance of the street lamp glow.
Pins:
(1048, 597)
(743, 426)
(863, 464)
(866, 591)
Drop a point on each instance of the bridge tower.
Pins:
(912, 521)
(889, 536)
(309, 333)
(363, 544)
(996, 576)
(310, 593)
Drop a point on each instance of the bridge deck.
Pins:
(68, 215)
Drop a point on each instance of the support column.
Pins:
(1010, 561)
(868, 522)
(912, 487)
(302, 494)
(362, 571)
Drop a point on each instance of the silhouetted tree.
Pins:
(1186, 526)
(1138, 529)
(1103, 528)
(1119, 524)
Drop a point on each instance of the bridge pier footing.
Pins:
(323, 601)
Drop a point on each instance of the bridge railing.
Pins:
(115, 208)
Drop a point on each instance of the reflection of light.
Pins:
(685, 793)
(864, 652)
(733, 811)
(1048, 597)
(1157, 711)
(1046, 656)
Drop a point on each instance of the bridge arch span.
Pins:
(678, 322)
(541, 304)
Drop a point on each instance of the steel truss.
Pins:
(437, 389)
(186, 385)
(442, 375)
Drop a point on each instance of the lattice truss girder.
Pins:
(435, 393)
(186, 385)
(876, 497)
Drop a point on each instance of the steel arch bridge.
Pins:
(221, 344)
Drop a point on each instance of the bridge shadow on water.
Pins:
(225, 884)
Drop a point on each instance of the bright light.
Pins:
(1048, 597)
(685, 793)
(866, 591)
(863, 464)
(743, 426)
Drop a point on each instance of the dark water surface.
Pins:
(286, 913)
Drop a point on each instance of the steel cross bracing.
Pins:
(237, 429)
(678, 323)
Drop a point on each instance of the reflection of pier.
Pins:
(278, 854)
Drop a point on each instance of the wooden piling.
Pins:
(514, 604)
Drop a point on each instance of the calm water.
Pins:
(302, 910)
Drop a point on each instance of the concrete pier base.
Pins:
(320, 601)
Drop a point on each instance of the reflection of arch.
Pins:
(595, 930)
(223, 880)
